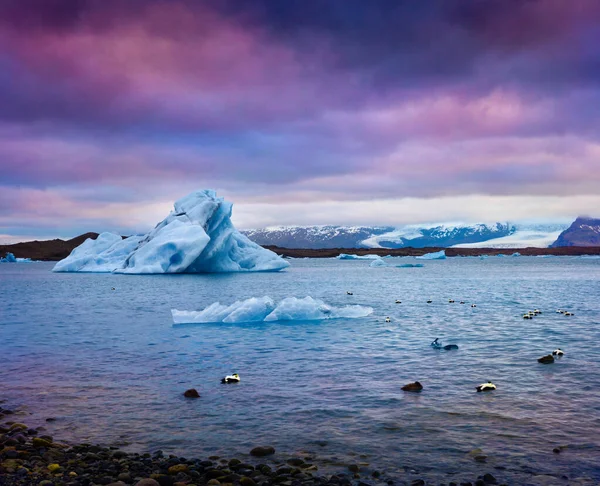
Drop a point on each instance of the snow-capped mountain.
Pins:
(583, 232)
(494, 235)
(315, 237)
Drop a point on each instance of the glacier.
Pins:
(265, 309)
(438, 255)
(196, 237)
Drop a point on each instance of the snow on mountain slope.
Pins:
(495, 235)
(536, 236)
(444, 235)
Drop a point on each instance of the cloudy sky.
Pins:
(298, 111)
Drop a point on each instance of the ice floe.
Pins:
(438, 255)
(265, 309)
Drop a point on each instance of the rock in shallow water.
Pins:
(191, 393)
(262, 451)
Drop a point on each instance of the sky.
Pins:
(299, 112)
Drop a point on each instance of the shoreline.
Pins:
(30, 457)
(56, 250)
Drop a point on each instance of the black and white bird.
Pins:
(234, 378)
(558, 352)
(484, 387)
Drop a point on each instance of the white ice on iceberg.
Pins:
(346, 256)
(438, 255)
(265, 309)
(196, 237)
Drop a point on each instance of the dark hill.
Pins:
(583, 232)
(46, 250)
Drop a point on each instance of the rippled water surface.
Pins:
(111, 366)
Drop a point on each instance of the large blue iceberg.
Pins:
(265, 309)
(196, 237)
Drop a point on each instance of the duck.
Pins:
(567, 313)
(349, 293)
(437, 344)
(451, 301)
(548, 359)
(112, 288)
(537, 311)
(473, 305)
(429, 301)
(413, 387)
(398, 302)
(558, 352)
(234, 378)
(527, 316)
(560, 311)
(387, 319)
(484, 387)
(462, 301)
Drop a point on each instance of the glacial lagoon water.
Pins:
(111, 367)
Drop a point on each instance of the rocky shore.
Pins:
(30, 457)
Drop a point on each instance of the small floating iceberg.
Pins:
(265, 309)
(438, 255)
(410, 265)
(378, 263)
(346, 256)
(9, 258)
(196, 237)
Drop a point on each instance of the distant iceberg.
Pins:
(438, 255)
(345, 256)
(9, 258)
(265, 309)
(410, 265)
(378, 263)
(197, 237)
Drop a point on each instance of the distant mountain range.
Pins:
(495, 235)
(582, 232)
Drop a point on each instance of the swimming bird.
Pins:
(413, 387)
(462, 302)
(451, 301)
(537, 311)
(558, 352)
(450, 347)
(429, 301)
(398, 302)
(112, 288)
(527, 316)
(484, 387)
(349, 293)
(560, 311)
(568, 313)
(234, 378)
(387, 319)
(436, 344)
(548, 359)
(473, 305)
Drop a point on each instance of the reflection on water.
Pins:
(112, 368)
